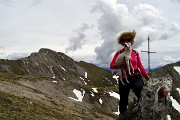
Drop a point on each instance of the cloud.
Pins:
(115, 18)
(16, 3)
(15, 56)
(175, 0)
(5, 54)
(6, 2)
(1, 50)
(168, 60)
(79, 40)
(28, 25)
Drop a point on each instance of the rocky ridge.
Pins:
(53, 79)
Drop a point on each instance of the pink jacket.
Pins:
(135, 60)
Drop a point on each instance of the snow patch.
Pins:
(63, 68)
(92, 94)
(83, 80)
(28, 70)
(85, 74)
(175, 104)
(95, 90)
(54, 81)
(168, 117)
(73, 99)
(177, 68)
(178, 90)
(118, 112)
(114, 94)
(100, 101)
(78, 94)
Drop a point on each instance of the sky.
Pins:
(88, 29)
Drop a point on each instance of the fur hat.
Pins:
(130, 35)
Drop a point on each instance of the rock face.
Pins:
(168, 69)
(155, 103)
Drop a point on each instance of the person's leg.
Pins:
(137, 85)
(124, 93)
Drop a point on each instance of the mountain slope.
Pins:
(50, 85)
(49, 81)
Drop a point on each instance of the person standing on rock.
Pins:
(135, 79)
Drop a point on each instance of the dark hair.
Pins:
(129, 36)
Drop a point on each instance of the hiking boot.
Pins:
(121, 117)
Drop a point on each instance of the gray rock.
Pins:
(155, 104)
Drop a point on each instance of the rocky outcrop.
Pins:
(168, 69)
(155, 103)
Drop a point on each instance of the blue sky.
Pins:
(88, 29)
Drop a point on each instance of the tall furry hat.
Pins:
(124, 35)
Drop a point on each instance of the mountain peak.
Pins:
(42, 50)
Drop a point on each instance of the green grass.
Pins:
(16, 108)
(20, 108)
(13, 77)
(97, 75)
(15, 66)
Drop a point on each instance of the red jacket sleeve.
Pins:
(140, 66)
(112, 65)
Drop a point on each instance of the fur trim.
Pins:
(127, 34)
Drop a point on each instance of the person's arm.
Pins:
(141, 67)
(113, 64)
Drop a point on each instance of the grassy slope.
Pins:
(97, 75)
(13, 107)
(21, 108)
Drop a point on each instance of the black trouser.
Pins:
(136, 84)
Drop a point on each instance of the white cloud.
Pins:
(116, 17)
(168, 60)
(1, 50)
(17, 3)
(28, 25)
(79, 40)
(175, 0)
(15, 56)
